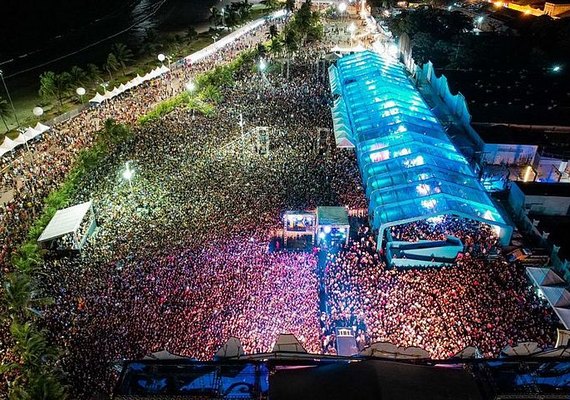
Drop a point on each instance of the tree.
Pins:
(123, 54)
(54, 85)
(215, 17)
(93, 72)
(114, 133)
(273, 32)
(271, 4)
(20, 298)
(78, 76)
(276, 46)
(290, 5)
(111, 65)
(191, 33)
(5, 112)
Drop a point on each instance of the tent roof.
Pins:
(232, 348)
(544, 276)
(390, 350)
(332, 216)
(522, 349)
(556, 296)
(65, 221)
(163, 355)
(564, 315)
(416, 169)
(289, 343)
(41, 127)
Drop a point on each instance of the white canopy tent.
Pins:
(99, 98)
(390, 350)
(556, 296)
(544, 276)
(288, 343)
(41, 127)
(31, 133)
(231, 349)
(66, 221)
(559, 300)
(522, 349)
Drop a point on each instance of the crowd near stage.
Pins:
(181, 261)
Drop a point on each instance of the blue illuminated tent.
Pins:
(409, 167)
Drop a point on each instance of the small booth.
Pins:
(333, 227)
(299, 229)
(69, 229)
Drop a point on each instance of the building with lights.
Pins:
(410, 168)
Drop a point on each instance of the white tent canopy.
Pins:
(289, 343)
(31, 133)
(41, 127)
(99, 98)
(522, 349)
(65, 221)
(231, 349)
(390, 350)
(544, 276)
(556, 296)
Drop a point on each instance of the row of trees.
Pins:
(447, 40)
(304, 26)
(31, 368)
(58, 87)
(232, 15)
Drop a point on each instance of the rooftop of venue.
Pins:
(409, 167)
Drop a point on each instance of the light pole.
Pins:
(9, 97)
(38, 111)
(80, 92)
(342, 9)
(128, 174)
(351, 29)
(190, 87)
(162, 57)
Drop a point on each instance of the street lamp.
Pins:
(80, 92)
(9, 97)
(128, 174)
(262, 65)
(351, 29)
(161, 57)
(342, 8)
(556, 68)
(190, 86)
(38, 111)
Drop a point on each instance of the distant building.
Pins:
(541, 198)
(557, 9)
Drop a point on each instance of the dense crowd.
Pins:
(481, 302)
(180, 260)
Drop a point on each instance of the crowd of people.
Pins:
(181, 257)
(481, 302)
(180, 260)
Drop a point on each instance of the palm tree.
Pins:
(78, 76)
(276, 46)
(5, 112)
(19, 296)
(273, 32)
(270, 4)
(290, 5)
(290, 41)
(112, 64)
(215, 16)
(54, 85)
(123, 54)
(93, 72)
